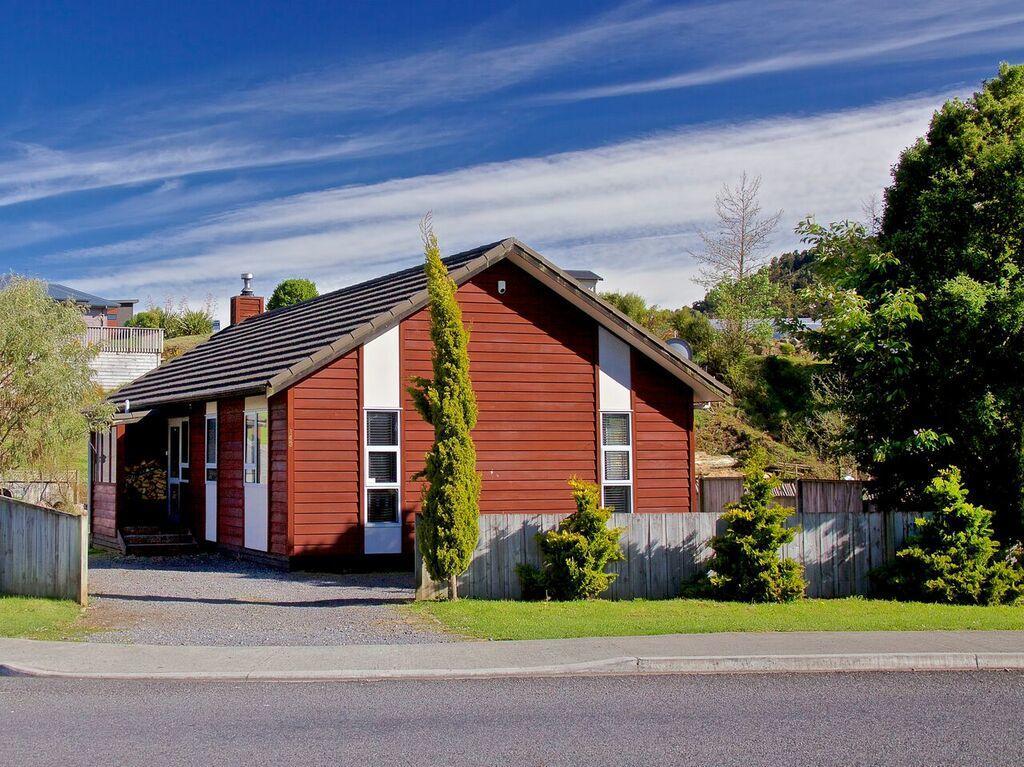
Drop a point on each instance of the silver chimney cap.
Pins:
(681, 347)
(247, 284)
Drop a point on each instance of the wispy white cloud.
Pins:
(893, 31)
(229, 125)
(629, 210)
(34, 171)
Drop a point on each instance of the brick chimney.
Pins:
(245, 304)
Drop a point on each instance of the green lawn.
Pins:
(35, 618)
(558, 620)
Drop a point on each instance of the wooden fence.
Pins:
(665, 550)
(811, 496)
(43, 552)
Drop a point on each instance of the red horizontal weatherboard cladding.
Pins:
(532, 359)
(230, 491)
(324, 412)
(278, 509)
(663, 429)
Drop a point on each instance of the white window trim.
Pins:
(184, 449)
(370, 484)
(605, 482)
(246, 465)
(206, 448)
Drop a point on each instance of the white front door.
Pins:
(256, 471)
(211, 471)
(177, 469)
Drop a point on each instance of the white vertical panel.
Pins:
(381, 377)
(211, 487)
(257, 516)
(614, 381)
(381, 381)
(257, 502)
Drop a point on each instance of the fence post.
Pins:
(83, 559)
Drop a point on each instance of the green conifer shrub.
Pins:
(449, 524)
(746, 566)
(951, 557)
(575, 554)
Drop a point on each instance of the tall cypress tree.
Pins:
(449, 524)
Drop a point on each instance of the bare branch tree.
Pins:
(737, 246)
(871, 209)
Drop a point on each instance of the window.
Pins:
(104, 456)
(257, 447)
(211, 448)
(382, 460)
(617, 461)
(177, 449)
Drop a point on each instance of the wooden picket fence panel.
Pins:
(43, 552)
(663, 551)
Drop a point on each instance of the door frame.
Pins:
(175, 497)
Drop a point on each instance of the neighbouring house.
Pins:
(291, 436)
(123, 354)
(99, 312)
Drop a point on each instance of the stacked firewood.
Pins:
(147, 480)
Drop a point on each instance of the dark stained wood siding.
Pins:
(230, 492)
(278, 510)
(325, 452)
(663, 449)
(532, 363)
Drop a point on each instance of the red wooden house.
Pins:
(290, 434)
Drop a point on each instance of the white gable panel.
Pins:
(615, 381)
(381, 376)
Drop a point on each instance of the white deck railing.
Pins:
(126, 340)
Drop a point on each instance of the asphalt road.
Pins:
(843, 719)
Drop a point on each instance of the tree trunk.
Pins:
(453, 587)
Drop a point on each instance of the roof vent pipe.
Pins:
(247, 284)
(681, 347)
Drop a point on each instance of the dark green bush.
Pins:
(746, 566)
(952, 557)
(576, 554)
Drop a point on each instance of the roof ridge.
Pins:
(366, 283)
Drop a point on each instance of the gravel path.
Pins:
(209, 599)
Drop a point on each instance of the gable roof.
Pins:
(62, 293)
(276, 349)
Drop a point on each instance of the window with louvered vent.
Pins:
(617, 461)
(383, 489)
(382, 429)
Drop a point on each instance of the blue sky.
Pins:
(157, 150)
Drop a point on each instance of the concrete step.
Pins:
(155, 541)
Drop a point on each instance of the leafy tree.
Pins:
(746, 566)
(746, 311)
(449, 524)
(153, 317)
(176, 322)
(952, 557)
(190, 322)
(292, 291)
(48, 400)
(926, 321)
(577, 552)
(684, 322)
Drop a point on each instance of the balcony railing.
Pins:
(126, 340)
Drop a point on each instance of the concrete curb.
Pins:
(624, 665)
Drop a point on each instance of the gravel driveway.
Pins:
(209, 599)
